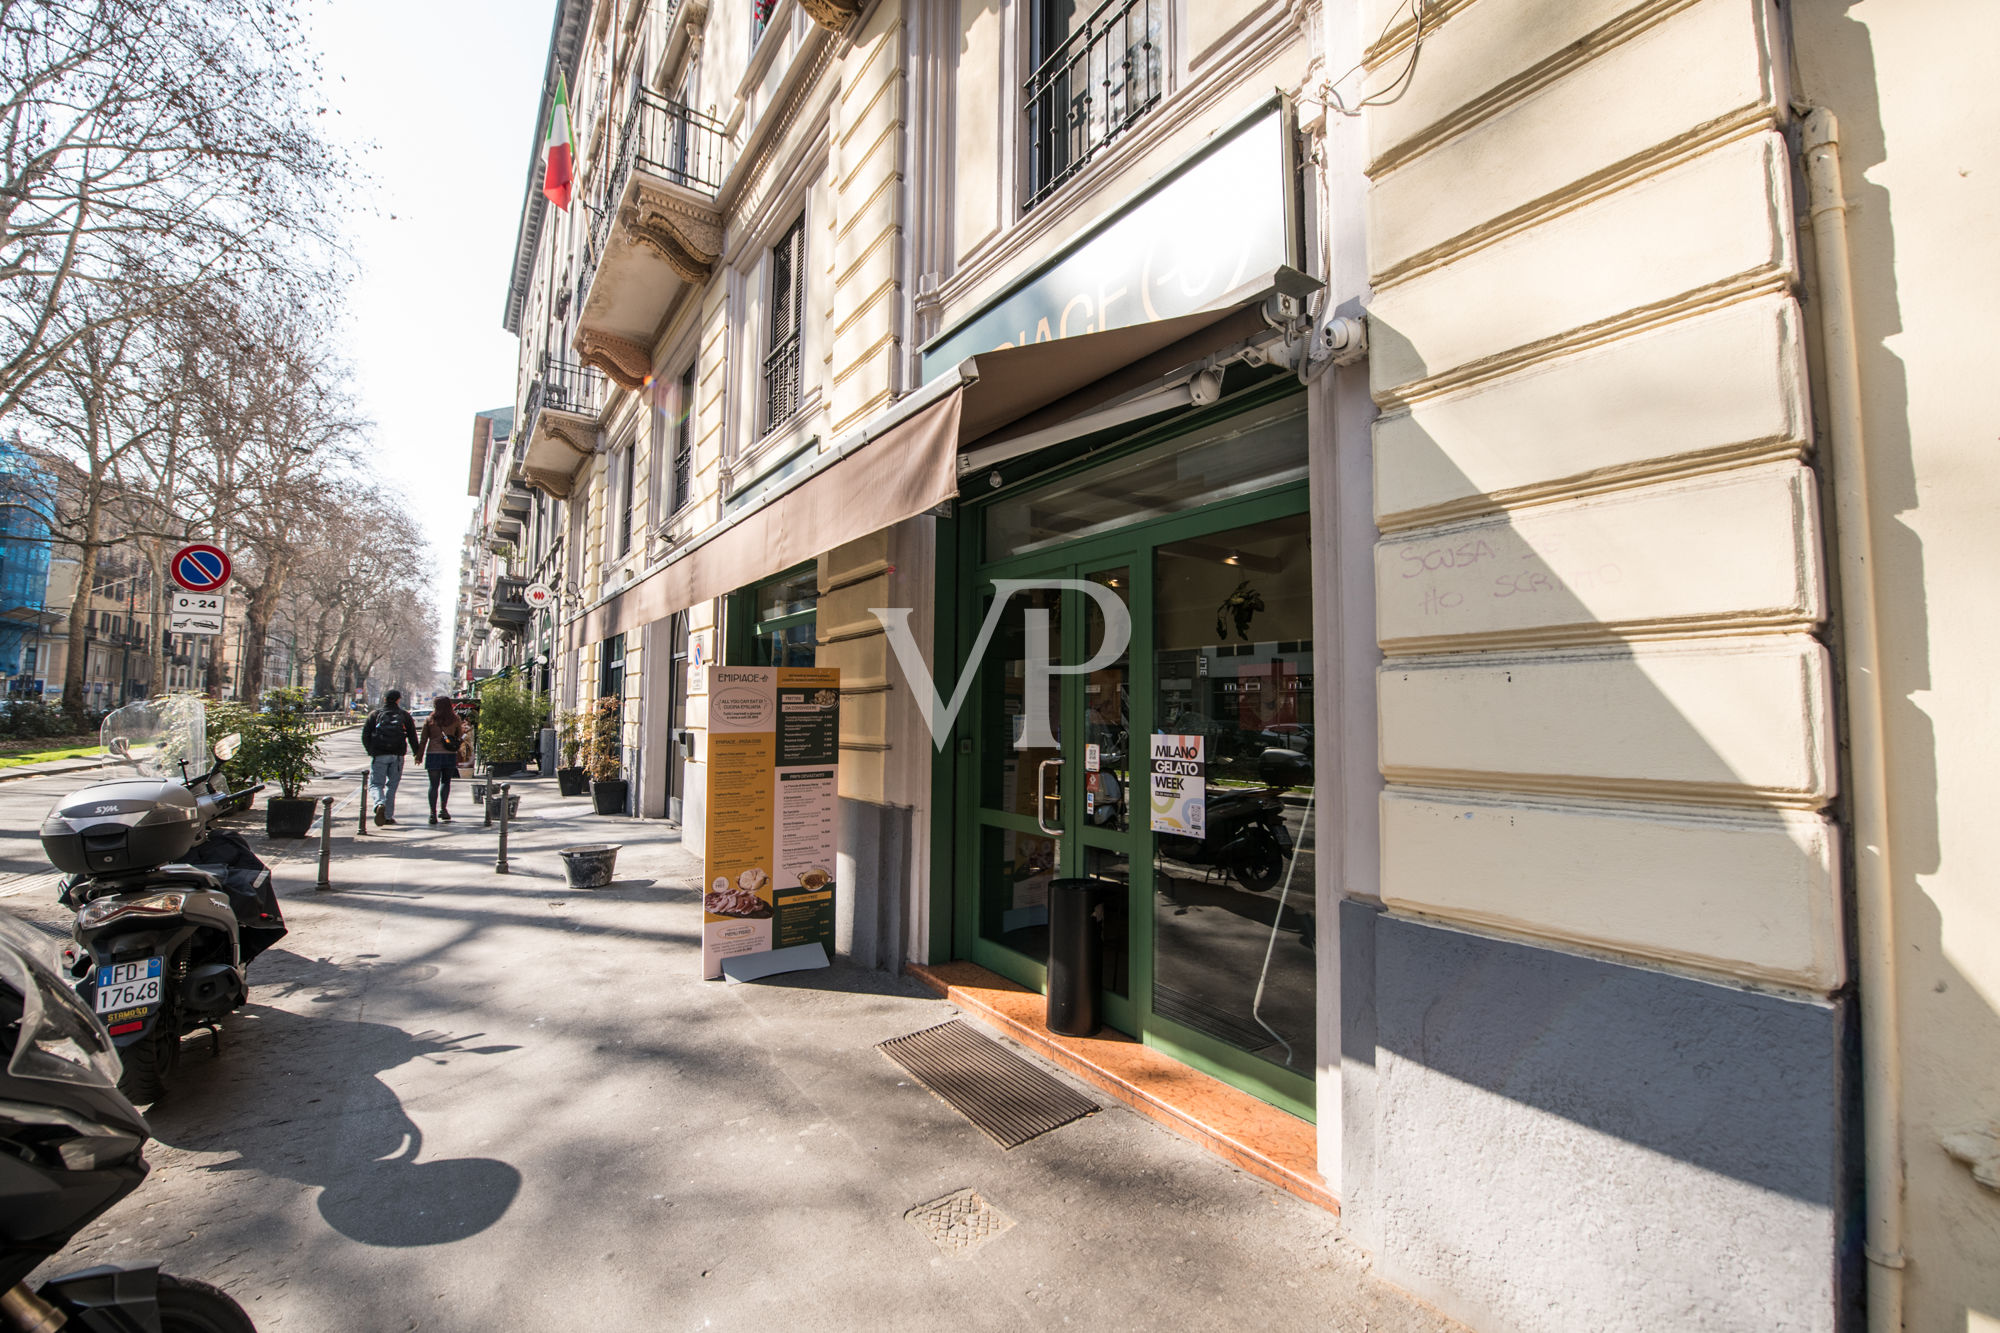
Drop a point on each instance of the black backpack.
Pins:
(384, 732)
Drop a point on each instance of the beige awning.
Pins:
(907, 462)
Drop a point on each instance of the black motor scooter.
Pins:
(70, 1149)
(1245, 834)
(169, 909)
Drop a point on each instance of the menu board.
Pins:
(773, 830)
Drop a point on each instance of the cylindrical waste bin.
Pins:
(1076, 955)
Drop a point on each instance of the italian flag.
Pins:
(558, 150)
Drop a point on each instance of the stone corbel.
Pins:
(686, 235)
(582, 443)
(833, 15)
(624, 361)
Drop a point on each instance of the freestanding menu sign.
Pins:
(773, 785)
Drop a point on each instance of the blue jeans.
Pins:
(385, 774)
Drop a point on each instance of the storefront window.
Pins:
(1261, 450)
(774, 623)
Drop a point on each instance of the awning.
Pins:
(996, 405)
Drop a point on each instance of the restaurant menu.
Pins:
(773, 789)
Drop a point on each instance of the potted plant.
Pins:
(509, 715)
(279, 746)
(602, 756)
(569, 740)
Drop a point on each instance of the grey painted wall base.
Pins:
(871, 883)
(1560, 1143)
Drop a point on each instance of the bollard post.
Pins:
(361, 828)
(500, 862)
(486, 801)
(325, 844)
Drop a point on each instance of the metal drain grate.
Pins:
(958, 1223)
(1009, 1099)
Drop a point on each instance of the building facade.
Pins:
(1481, 439)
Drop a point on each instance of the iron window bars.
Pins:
(683, 445)
(788, 292)
(664, 139)
(1089, 89)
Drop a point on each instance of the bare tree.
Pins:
(150, 149)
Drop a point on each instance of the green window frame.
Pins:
(750, 629)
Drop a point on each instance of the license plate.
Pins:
(128, 985)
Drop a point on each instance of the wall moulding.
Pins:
(686, 235)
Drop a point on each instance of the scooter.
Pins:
(169, 910)
(1245, 834)
(70, 1149)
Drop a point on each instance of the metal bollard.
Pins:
(361, 827)
(325, 844)
(486, 801)
(500, 862)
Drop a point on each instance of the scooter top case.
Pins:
(115, 827)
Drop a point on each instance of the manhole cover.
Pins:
(959, 1222)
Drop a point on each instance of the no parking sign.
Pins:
(200, 567)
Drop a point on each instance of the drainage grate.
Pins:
(1009, 1099)
(1205, 1018)
(958, 1223)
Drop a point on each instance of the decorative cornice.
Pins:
(686, 235)
(624, 361)
(833, 15)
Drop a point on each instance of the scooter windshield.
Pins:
(61, 1041)
(165, 737)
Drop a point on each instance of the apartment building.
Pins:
(1530, 445)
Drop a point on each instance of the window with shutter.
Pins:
(788, 290)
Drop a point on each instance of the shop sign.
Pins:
(1217, 222)
(1180, 786)
(773, 831)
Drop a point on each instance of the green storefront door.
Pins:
(1203, 540)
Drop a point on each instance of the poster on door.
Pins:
(773, 791)
(1180, 786)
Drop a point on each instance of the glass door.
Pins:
(1050, 762)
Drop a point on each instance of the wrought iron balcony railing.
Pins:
(663, 139)
(569, 387)
(1090, 88)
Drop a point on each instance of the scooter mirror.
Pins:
(120, 747)
(226, 748)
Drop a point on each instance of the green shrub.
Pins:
(569, 736)
(509, 715)
(278, 743)
(603, 747)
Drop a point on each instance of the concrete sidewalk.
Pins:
(462, 1100)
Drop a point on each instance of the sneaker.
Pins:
(381, 815)
(444, 816)
(434, 819)
(385, 819)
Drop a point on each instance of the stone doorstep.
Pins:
(1271, 1144)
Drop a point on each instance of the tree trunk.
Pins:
(156, 646)
(79, 605)
(258, 606)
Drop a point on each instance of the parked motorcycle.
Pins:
(70, 1149)
(169, 909)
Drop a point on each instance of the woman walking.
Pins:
(443, 734)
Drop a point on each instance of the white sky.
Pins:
(439, 103)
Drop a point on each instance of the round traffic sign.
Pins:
(537, 595)
(200, 567)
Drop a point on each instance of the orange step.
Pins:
(1270, 1144)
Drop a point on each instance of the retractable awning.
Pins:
(991, 407)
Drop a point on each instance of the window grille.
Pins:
(788, 291)
(684, 442)
(624, 500)
(1092, 80)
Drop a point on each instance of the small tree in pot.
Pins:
(603, 748)
(279, 745)
(570, 777)
(509, 715)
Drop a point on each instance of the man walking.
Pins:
(388, 734)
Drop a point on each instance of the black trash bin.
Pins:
(1076, 955)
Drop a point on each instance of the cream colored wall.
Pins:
(1909, 84)
(1606, 721)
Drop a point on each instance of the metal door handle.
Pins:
(1042, 798)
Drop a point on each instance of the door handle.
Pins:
(1042, 798)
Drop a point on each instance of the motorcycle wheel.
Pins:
(1260, 868)
(148, 1063)
(188, 1306)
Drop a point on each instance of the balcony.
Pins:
(561, 417)
(654, 229)
(1090, 89)
(509, 610)
(515, 502)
